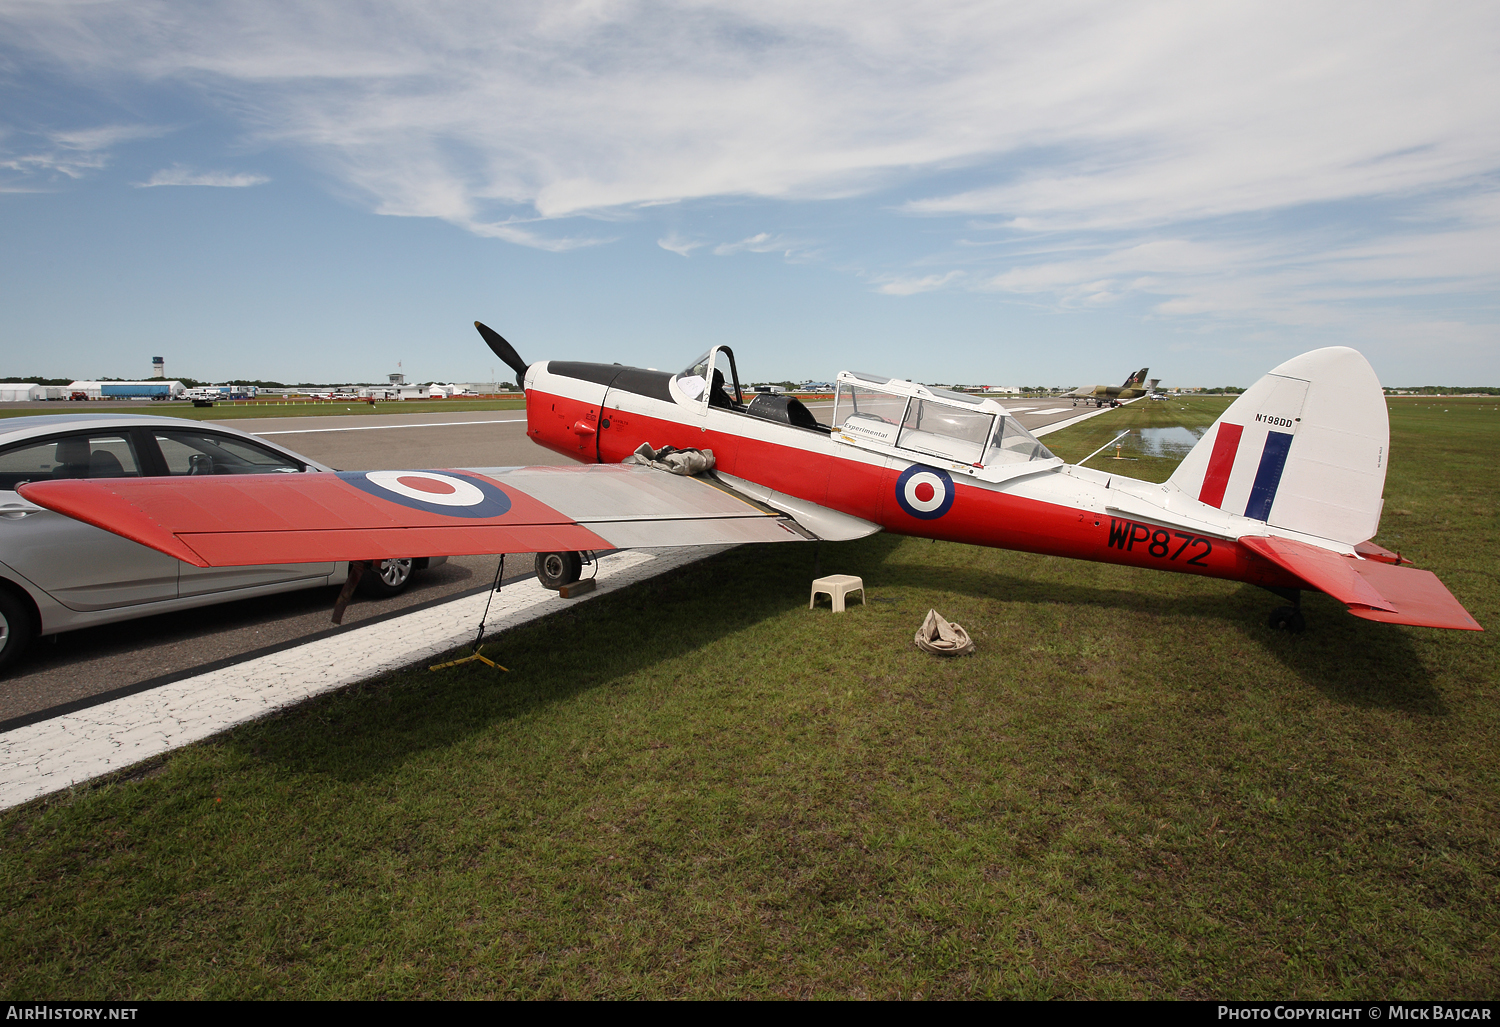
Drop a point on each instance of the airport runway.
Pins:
(93, 661)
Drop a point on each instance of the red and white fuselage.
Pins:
(1284, 491)
(1044, 506)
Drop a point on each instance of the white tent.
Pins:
(20, 392)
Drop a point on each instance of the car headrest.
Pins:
(104, 464)
(73, 452)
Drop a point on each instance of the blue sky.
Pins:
(975, 192)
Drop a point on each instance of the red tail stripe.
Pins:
(1220, 463)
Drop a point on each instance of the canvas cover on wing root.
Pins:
(1371, 589)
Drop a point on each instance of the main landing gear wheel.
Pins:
(554, 570)
(1287, 618)
(386, 578)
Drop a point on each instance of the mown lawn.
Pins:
(699, 788)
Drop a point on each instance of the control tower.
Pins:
(158, 367)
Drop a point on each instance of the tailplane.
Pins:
(1304, 449)
(1136, 379)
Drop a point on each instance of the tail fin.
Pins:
(1304, 449)
(1136, 378)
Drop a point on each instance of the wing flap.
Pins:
(1372, 590)
(239, 520)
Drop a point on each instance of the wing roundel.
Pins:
(448, 494)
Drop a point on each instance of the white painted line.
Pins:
(58, 753)
(381, 427)
(1060, 425)
(1054, 410)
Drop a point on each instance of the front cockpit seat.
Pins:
(718, 395)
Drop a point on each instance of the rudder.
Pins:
(1304, 449)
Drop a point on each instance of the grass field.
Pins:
(699, 788)
(300, 408)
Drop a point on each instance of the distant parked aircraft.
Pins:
(1110, 395)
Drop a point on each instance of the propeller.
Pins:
(504, 350)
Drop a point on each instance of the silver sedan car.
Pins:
(57, 574)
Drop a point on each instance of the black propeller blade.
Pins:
(504, 350)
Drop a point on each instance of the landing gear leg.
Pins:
(1288, 618)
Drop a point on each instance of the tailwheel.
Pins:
(554, 570)
(1287, 618)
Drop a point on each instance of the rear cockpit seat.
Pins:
(784, 410)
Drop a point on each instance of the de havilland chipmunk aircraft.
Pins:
(1283, 492)
(1111, 395)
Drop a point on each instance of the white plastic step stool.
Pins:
(836, 587)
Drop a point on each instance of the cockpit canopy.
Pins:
(965, 430)
(971, 434)
(714, 373)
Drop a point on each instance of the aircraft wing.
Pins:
(237, 520)
(1371, 589)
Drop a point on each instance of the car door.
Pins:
(81, 566)
(195, 451)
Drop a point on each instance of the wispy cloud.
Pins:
(760, 242)
(898, 286)
(71, 153)
(515, 233)
(222, 179)
(675, 243)
(105, 137)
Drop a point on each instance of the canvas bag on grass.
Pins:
(941, 638)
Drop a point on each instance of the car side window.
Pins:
(203, 452)
(98, 455)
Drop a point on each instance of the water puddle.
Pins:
(1171, 443)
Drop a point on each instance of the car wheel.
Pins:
(16, 628)
(386, 578)
(554, 570)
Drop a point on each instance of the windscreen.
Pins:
(1012, 444)
(694, 379)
